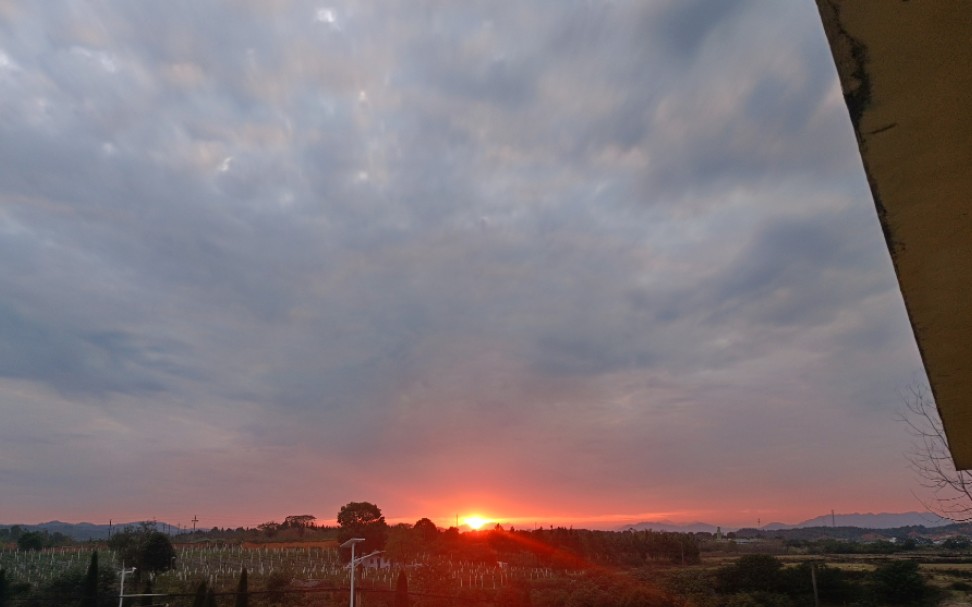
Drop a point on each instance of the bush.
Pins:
(758, 599)
(67, 589)
(31, 541)
(900, 583)
(751, 573)
(834, 586)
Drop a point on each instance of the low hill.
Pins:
(884, 520)
(82, 531)
(676, 527)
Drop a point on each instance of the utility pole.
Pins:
(813, 580)
(194, 521)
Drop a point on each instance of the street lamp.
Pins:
(121, 591)
(351, 542)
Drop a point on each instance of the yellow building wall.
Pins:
(906, 71)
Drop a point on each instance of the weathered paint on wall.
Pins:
(906, 71)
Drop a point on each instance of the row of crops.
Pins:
(220, 566)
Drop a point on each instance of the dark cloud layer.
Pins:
(596, 246)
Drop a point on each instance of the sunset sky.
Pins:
(560, 262)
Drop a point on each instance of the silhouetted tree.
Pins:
(31, 541)
(199, 600)
(269, 528)
(364, 520)
(401, 544)
(956, 543)
(157, 553)
(300, 522)
(426, 530)
(900, 583)
(401, 590)
(242, 593)
(89, 591)
(4, 589)
(148, 550)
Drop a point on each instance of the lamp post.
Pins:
(351, 542)
(121, 590)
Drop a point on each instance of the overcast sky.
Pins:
(545, 261)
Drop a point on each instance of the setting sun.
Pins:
(475, 522)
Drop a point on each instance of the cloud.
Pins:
(95, 363)
(567, 241)
(685, 26)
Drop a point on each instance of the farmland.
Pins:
(284, 565)
(505, 567)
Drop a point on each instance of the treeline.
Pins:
(562, 548)
(918, 533)
(762, 580)
(951, 546)
(557, 547)
(546, 547)
(33, 540)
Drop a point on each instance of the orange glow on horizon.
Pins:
(478, 520)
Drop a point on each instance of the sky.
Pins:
(546, 262)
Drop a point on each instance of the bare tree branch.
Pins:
(931, 460)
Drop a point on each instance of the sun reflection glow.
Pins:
(475, 522)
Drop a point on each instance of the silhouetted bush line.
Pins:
(919, 533)
(759, 579)
(33, 540)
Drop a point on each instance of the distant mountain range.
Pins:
(884, 520)
(85, 531)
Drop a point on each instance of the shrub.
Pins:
(751, 573)
(900, 583)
